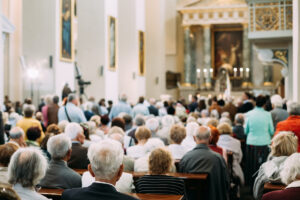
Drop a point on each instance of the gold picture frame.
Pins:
(66, 30)
(213, 45)
(141, 53)
(112, 43)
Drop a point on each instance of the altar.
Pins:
(232, 45)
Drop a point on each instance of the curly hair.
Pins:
(284, 144)
(177, 134)
(160, 161)
(142, 133)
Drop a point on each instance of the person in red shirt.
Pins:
(213, 142)
(292, 123)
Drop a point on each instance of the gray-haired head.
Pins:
(291, 169)
(152, 124)
(72, 130)
(58, 146)
(62, 125)
(239, 119)
(27, 167)
(55, 99)
(71, 97)
(106, 158)
(277, 101)
(202, 133)
(293, 108)
(139, 120)
(48, 99)
(225, 120)
(152, 144)
(117, 137)
(123, 97)
(16, 133)
(29, 109)
(225, 114)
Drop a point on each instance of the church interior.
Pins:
(188, 59)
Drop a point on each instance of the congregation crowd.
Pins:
(249, 141)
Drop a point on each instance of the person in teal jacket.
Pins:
(259, 130)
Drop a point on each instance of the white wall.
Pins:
(296, 51)
(1, 63)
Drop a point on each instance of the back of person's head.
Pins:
(191, 128)
(142, 133)
(55, 99)
(177, 134)
(191, 119)
(225, 114)
(160, 161)
(119, 122)
(167, 121)
(62, 125)
(260, 101)
(16, 133)
(152, 124)
(29, 109)
(291, 169)
(27, 167)
(7, 193)
(48, 99)
(293, 108)
(123, 97)
(115, 129)
(104, 120)
(141, 99)
(224, 128)
(202, 133)
(239, 119)
(39, 116)
(6, 151)
(106, 158)
(53, 128)
(152, 144)
(277, 101)
(214, 137)
(117, 137)
(96, 119)
(139, 120)
(225, 120)
(213, 122)
(71, 97)
(72, 130)
(284, 144)
(33, 133)
(204, 113)
(58, 146)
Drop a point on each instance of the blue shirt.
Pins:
(75, 113)
(140, 109)
(120, 108)
(259, 127)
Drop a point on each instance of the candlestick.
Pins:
(198, 73)
(235, 72)
(241, 72)
(247, 72)
(205, 73)
(211, 72)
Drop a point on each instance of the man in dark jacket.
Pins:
(247, 104)
(152, 109)
(202, 160)
(1, 129)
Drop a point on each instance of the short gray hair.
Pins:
(106, 157)
(191, 128)
(117, 137)
(291, 169)
(202, 133)
(294, 108)
(152, 124)
(71, 97)
(152, 144)
(139, 120)
(72, 130)
(58, 146)
(225, 120)
(123, 97)
(277, 101)
(239, 118)
(27, 167)
(16, 133)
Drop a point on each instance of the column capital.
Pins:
(245, 25)
(206, 25)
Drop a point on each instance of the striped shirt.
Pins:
(160, 184)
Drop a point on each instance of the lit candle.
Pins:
(205, 73)
(190, 97)
(247, 72)
(234, 72)
(211, 70)
(198, 73)
(241, 72)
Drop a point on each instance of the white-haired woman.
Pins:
(283, 145)
(290, 175)
(189, 143)
(26, 168)
(167, 122)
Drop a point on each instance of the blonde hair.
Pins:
(160, 161)
(224, 128)
(212, 122)
(284, 143)
(142, 133)
(177, 134)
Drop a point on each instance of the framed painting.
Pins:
(66, 30)
(112, 43)
(141, 53)
(227, 49)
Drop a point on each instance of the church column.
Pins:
(187, 56)
(246, 51)
(207, 54)
(296, 51)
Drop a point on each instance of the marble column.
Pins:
(246, 52)
(207, 54)
(189, 57)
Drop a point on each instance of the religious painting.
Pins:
(112, 43)
(66, 33)
(141, 53)
(227, 50)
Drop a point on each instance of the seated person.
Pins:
(25, 170)
(238, 128)
(58, 174)
(189, 142)
(33, 134)
(202, 160)
(7, 193)
(6, 151)
(158, 182)
(142, 135)
(78, 158)
(283, 145)
(106, 166)
(213, 140)
(17, 137)
(177, 135)
(289, 174)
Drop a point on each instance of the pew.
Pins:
(269, 187)
(55, 194)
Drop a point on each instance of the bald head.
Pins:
(202, 135)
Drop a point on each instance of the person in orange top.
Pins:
(292, 123)
(28, 122)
